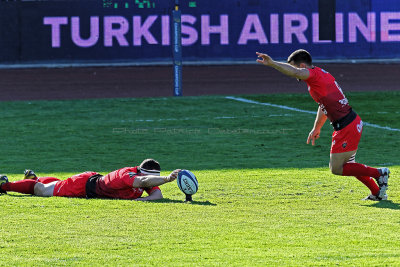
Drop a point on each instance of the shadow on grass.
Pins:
(167, 200)
(385, 204)
(18, 195)
(164, 200)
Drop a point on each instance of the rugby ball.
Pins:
(187, 182)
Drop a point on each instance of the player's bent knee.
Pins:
(336, 170)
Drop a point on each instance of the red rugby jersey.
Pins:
(327, 93)
(118, 184)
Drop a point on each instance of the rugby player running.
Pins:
(333, 105)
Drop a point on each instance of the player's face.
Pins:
(294, 65)
(302, 65)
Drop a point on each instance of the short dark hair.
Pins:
(150, 164)
(300, 56)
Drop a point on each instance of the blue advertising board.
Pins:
(226, 30)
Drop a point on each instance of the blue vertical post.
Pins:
(177, 50)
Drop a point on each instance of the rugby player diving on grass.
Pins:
(347, 125)
(125, 183)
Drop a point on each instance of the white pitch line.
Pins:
(381, 127)
(215, 118)
(240, 99)
(269, 104)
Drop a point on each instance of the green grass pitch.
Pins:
(265, 197)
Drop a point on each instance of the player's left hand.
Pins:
(313, 135)
(265, 59)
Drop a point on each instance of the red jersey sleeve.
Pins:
(127, 178)
(151, 190)
(120, 179)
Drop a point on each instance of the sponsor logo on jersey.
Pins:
(360, 126)
(344, 101)
(323, 109)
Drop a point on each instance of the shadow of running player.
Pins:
(385, 204)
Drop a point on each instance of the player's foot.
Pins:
(3, 180)
(383, 181)
(375, 198)
(29, 174)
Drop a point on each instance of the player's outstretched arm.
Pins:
(285, 68)
(151, 180)
(155, 195)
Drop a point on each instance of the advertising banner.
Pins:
(212, 31)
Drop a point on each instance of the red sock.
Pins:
(357, 169)
(23, 186)
(370, 183)
(47, 180)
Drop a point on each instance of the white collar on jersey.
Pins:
(149, 172)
